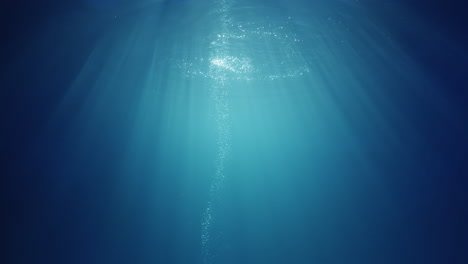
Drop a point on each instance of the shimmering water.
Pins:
(235, 131)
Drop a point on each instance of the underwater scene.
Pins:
(234, 132)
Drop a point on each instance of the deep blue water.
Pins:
(234, 131)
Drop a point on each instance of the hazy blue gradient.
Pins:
(235, 131)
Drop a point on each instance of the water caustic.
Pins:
(241, 50)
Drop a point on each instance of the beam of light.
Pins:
(143, 89)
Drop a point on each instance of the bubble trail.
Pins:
(227, 66)
(219, 91)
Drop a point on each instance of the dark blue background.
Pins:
(79, 226)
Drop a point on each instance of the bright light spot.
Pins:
(233, 64)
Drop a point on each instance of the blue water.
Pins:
(235, 131)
